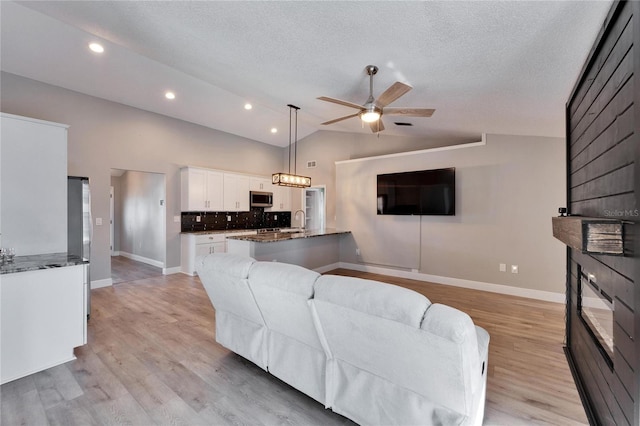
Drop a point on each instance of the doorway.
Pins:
(138, 220)
(314, 206)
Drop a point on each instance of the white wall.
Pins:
(105, 135)
(506, 193)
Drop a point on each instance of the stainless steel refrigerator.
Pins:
(79, 225)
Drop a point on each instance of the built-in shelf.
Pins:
(590, 234)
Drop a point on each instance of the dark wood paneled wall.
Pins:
(603, 135)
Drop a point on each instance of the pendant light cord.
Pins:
(295, 155)
(289, 139)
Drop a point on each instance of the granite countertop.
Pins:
(274, 237)
(217, 231)
(41, 261)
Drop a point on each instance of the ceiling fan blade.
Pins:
(341, 102)
(377, 126)
(410, 112)
(341, 118)
(394, 91)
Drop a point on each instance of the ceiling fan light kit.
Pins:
(373, 110)
(292, 179)
(371, 114)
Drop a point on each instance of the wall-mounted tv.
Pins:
(423, 192)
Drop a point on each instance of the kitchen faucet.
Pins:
(302, 224)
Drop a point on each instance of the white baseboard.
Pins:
(115, 253)
(101, 283)
(169, 271)
(142, 259)
(327, 268)
(458, 282)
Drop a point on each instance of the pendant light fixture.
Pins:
(289, 179)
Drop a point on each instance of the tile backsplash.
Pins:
(218, 221)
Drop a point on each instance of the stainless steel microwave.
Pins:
(261, 199)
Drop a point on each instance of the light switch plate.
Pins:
(98, 221)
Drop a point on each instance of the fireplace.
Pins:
(596, 309)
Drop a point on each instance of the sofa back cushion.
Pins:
(457, 327)
(282, 292)
(373, 298)
(378, 329)
(225, 278)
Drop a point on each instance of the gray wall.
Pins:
(506, 193)
(142, 215)
(509, 189)
(117, 211)
(105, 135)
(327, 147)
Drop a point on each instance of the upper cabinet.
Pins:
(33, 185)
(202, 189)
(205, 190)
(281, 198)
(236, 192)
(260, 184)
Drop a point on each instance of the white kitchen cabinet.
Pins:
(201, 189)
(33, 184)
(236, 192)
(43, 318)
(194, 245)
(281, 199)
(260, 184)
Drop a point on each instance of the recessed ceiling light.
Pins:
(274, 130)
(95, 47)
(248, 106)
(170, 95)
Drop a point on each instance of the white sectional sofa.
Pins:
(373, 352)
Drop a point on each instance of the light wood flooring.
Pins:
(152, 359)
(124, 269)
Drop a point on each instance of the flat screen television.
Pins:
(423, 192)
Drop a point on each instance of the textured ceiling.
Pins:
(485, 66)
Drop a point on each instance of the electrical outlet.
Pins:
(228, 218)
(503, 267)
(176, 219)
(514, 269)
(357, 252)
(275, 217)
(198, 219)
(98, 221)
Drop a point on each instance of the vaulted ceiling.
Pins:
(485, 66)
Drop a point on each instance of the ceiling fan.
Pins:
(371, 112)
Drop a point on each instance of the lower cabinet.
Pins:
(43, 319)
(194, 245)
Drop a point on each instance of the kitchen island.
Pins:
(313, 249)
